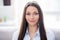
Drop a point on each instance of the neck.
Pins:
(32, 30)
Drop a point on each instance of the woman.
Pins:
(32, 24)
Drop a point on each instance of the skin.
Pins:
(32, 17)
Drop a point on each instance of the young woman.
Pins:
(32, 24)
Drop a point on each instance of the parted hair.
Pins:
(24, 24)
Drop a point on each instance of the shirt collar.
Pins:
(36, 32)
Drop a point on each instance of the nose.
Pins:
(31, 16)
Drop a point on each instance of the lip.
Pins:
(31, 21)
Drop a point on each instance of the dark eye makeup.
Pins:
(27, 13)
(35, 13)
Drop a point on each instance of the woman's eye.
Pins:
(36, 13)
(27, 13)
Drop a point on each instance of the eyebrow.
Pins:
(33, 12)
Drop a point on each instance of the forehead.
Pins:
(31, 9)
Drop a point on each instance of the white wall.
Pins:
(52, 20)
(1, 3)
(46, 5)
(7, 11)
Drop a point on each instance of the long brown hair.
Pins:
(25, 24)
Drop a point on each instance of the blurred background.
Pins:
(11, 16)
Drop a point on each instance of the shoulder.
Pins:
(15, 35)
(50, 34)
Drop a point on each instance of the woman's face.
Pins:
(32, 15)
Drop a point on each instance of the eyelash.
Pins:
(34, 13)
(28, 14)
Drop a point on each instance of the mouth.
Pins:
(32, 21)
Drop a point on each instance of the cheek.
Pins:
(27, 18)
(37, 18)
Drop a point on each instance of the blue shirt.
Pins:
(36, 36)
(50, 35)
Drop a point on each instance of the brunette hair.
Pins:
(25, 24)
